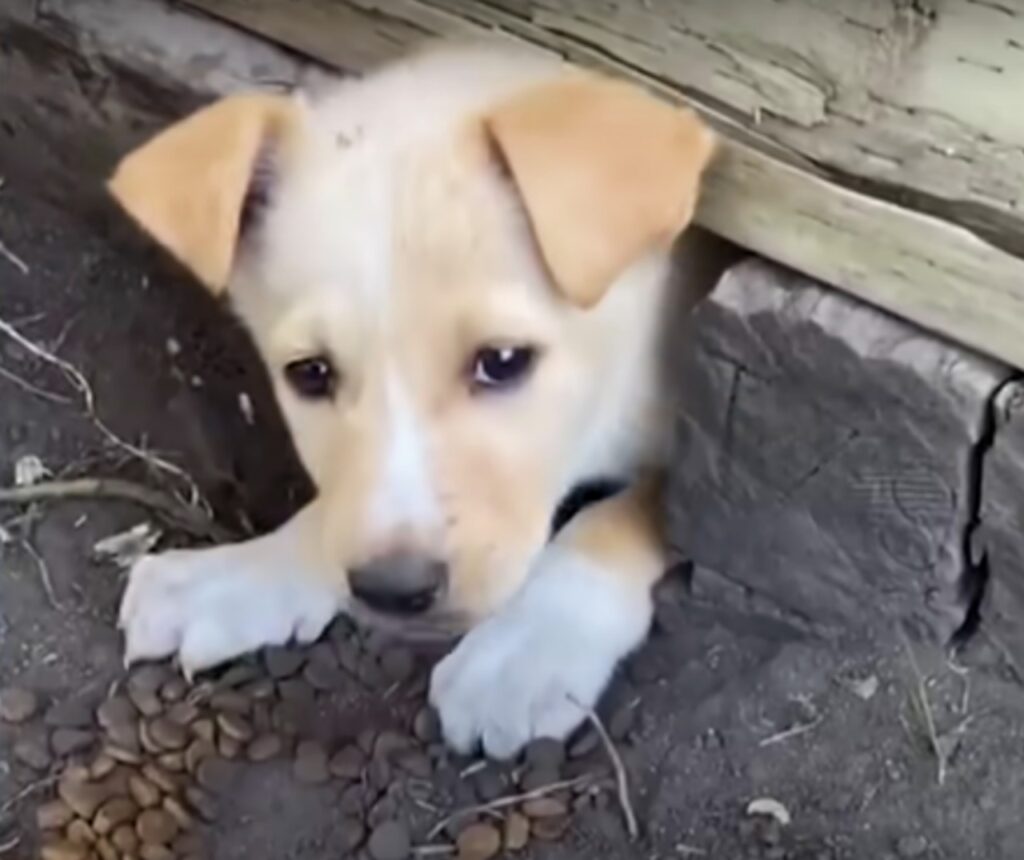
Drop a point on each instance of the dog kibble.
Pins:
(545, 754)
(168, 735)
(54, 815)
(350, 834)
(196, 752)
(310, 764)
(415, 763)
(17, 705)
(79, 832)
(145, 793)
(516, 832)
(397, 664)
(105, 850)
(348, 654)
(204, 729)
(123, 754)
(489, 783)
(537, 778)
(239, 675)
(264, 748)
(230, 702)
(549, 829)
(156, 852)
(66, 742)
(478, 842)
(390, 840)
(283, 662)
(103, 765)
(63, 850)
(162, 779)
(234, 726)
(296, 690)
(115, 711)
(323, 676)
(156, 827)
(124, 839)
(183, 713)
(426, 726)
(150, 678)
(174, 690)
(544, 807)
(348, 763)
(172, 761)
(260, 690)
(176, 809)
(202, 803)
(146, 702)
(113, 814)
(214, 774)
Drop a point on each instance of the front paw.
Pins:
(539, 666)
(207, 606)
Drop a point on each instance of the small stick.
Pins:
(13, 259)
(926, 710)
(791, 732)
(509, 800)
(30, 789)
(189, 519)
(621, 778)
(25, 385)
(44, 574)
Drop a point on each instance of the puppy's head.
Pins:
(446, 268)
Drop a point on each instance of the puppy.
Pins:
(455, 270)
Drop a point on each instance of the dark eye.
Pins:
(499, 367)
(313, 378)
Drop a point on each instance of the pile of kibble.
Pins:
(142, 775)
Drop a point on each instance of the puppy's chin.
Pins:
(430, 628)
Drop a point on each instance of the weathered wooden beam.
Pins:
(788, 71)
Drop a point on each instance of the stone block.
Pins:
(826, 454)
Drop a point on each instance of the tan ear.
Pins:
(606, 173)
(187, 186)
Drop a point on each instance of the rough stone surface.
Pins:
(826, 455)
(1002, 522)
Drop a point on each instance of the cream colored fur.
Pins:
(412, 221)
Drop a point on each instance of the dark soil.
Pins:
(730, 705)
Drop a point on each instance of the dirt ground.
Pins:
(732, 706)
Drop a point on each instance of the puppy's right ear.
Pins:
(187, 187)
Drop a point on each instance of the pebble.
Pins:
(33, 751)
(545, 754)
(283, 662)
(214, 774)
(516, 831)
(113, 814)
(478, 842)
(235, 726)
(17, 705)
(348, 763)
(264, 748)
(116, 710)
(348, 655)
(69, 714)
(296, 690)
(415, 763)
(544, 807)
(426, 726)
(489, 783)
(390, 840)
(145, 793)
(156, 827)
(228, 747)
(63, 850)
(536, 778)
(310, 764)
(54, 815)
(65, 742)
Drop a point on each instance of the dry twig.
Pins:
(791, 732)
(177, 513)
(621, 778)
(925, 708)
(509, 800)
(44, 574)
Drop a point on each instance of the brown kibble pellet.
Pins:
(145, 793)
(516, 831)
(113, 814)
(34, 751)
(230, 702)
(239, 674)
(78, 832)
(264, 748)
(17, 705)
(228, 747)
(203, 804)
(147, 702)
(168, 735)
(156, 827)
(259, 691)
(544, 807)
(478, 842)
(390, 840)
(83, 797)
(310, 765)
(116, 710)
(235, 726)
(348, 763)
(397, 664)
(174, 690)
(176, 809)
(164, 780)
(63, 850)
(183, 713)
(125, 839)
(204, 729)
(545, 754)
(156, 852)
(105, 850)
(172, 761)
(123, 755)
(102, 766)
(426, 726)
(214, 774)
(550, 829)
(283, 662)
(55, 815)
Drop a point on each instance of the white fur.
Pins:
(404, 497)
(536, 667)
(210, 605)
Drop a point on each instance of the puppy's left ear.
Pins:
(606, 173)
(188, 186)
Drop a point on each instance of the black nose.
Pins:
(401, 583)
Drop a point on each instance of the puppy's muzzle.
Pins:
(399, 583)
